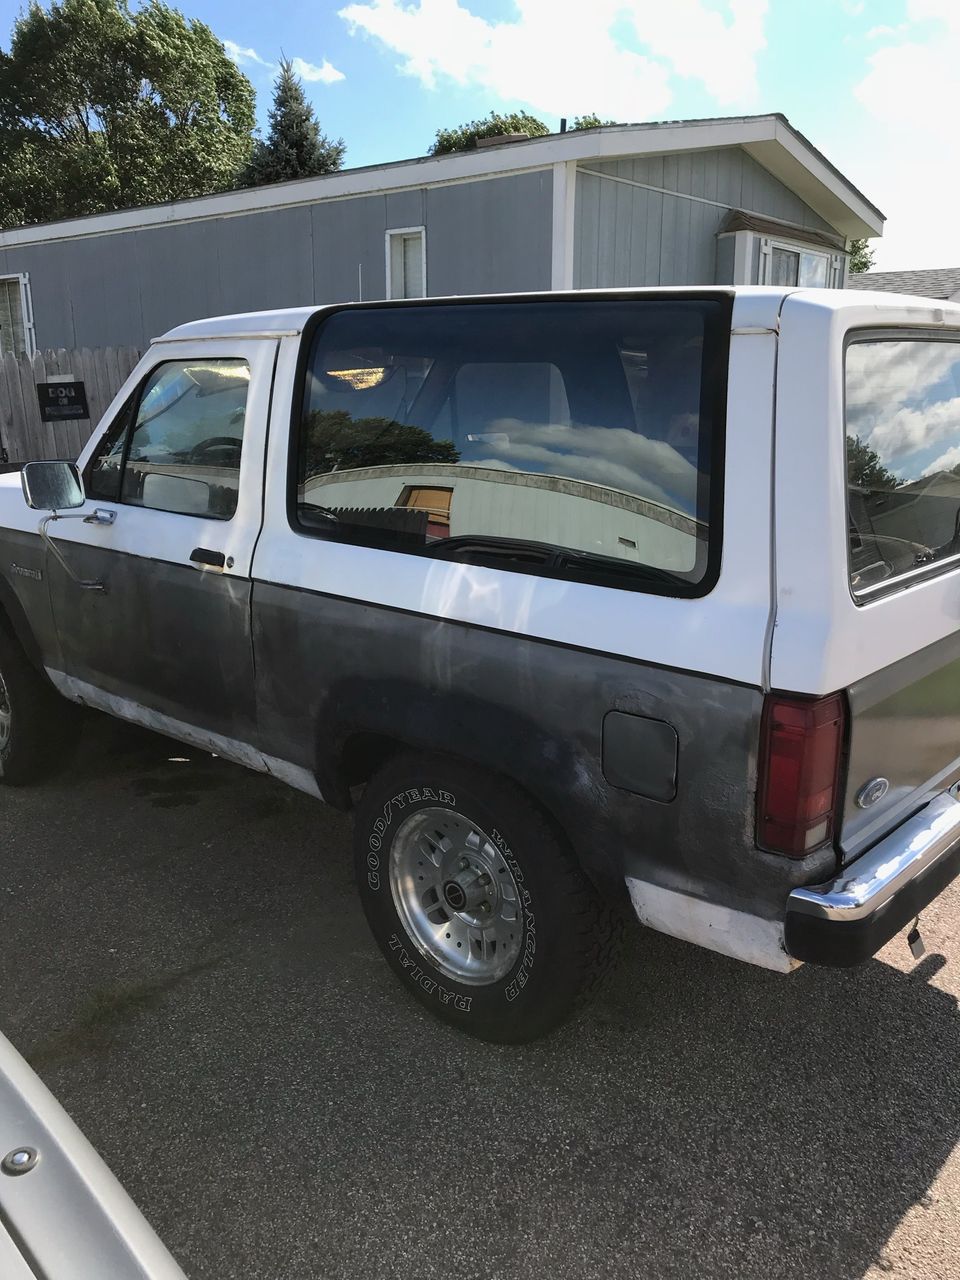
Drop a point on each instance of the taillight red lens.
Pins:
(801, 741)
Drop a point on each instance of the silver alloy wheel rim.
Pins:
(456, 896)
(6, 715)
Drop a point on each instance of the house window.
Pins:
(407, 263)
(435, 502)
(791, 265)
(16, 316)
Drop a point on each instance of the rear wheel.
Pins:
(37, 726)
(479, 908)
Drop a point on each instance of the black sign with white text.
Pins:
(61, 401)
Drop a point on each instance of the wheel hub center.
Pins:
(466, 890)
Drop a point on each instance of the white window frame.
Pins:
(26, 310)
(767, 246)
(406, 231)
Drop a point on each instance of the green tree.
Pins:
(465, 136)
(294, 146)
(861, 256)
(102, 108)
(335, 441)
(864, 467)
(590, 121)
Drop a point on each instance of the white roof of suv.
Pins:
(757, 306)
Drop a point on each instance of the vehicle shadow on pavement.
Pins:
(187, 963)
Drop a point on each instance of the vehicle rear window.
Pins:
(903, 460)
(563, 438)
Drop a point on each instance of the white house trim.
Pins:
(769, 139)
(421, 231)
(742, 257)
(564, 212)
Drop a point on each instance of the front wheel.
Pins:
(479, 908)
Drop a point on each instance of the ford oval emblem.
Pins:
(872, 791)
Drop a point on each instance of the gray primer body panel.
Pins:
(169, 636)
(904, 727)
(328, 669)
(26, 599)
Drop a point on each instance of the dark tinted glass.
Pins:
(903, 458)
(566, 438)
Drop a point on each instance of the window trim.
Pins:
(769, 243)
(131, 406)
(26, 311)
(923, 573)
(717, 400)
(390, 233)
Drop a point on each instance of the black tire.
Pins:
(40, 729)
(569, 935)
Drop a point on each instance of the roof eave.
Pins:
(769, 138)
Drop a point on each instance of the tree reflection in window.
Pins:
(334, 441)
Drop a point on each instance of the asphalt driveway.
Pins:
(185, 963)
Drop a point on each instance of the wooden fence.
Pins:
(23, 436)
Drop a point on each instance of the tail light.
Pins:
(801, 743)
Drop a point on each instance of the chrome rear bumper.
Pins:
(850, 917)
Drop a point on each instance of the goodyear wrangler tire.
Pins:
(481, 911)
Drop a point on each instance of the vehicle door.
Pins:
(173, 505)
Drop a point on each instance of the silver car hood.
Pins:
(66, 1217)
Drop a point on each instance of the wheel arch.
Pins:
(550, 774)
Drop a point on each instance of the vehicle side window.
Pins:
(102, 478)
(568, 439)
(180, 449)
(903, 459)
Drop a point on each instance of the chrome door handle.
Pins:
(100, 516)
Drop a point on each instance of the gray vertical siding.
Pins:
(125, 288)
(490, 237)
(630, 235)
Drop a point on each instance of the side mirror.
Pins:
(51, 486)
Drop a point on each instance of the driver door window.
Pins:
(180, 451)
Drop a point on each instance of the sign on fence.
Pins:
(26, 432)
(62, 400)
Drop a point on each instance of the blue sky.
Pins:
(870, 82)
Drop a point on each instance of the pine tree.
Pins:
(294, 146)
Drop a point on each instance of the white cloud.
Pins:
(946, 462)
(615, 57)
(881, 33)
(610, 456)
(326, 73)
(909, 93)
(244, 57)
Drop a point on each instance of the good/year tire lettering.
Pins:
(397, 803)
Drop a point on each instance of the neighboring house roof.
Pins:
(937, 282)
(770, 139)
(740, 220)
